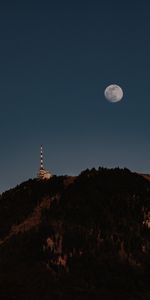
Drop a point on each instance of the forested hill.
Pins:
(84, 237)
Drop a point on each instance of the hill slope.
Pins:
(86, 237)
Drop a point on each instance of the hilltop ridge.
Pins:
(83, 237)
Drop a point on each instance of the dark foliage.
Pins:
(91, 242)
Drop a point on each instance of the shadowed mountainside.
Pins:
(84, 237)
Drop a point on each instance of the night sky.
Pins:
(56, 59)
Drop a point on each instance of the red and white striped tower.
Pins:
(41, 161)
(43, 174)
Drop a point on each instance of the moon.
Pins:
(113, 93)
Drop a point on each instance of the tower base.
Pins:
(43, 174)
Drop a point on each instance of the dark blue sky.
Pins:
(56, 58)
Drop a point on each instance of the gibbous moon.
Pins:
(113, 93)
